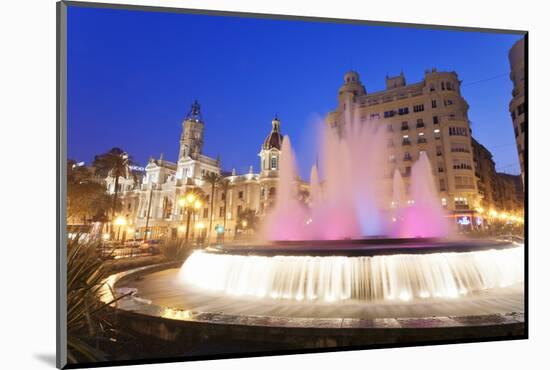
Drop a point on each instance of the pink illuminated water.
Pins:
(352, 194)
(425, 217)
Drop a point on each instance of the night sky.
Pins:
(132, 76)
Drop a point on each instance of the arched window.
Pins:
(272, 191)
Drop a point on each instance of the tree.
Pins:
(225, 185)
(213, 179)
(115, 163)
(86, 199)
(247, 220)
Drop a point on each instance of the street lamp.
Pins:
(190, 203)
(120, 221)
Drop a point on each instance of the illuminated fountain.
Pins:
(368, 244)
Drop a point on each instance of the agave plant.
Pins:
(86, 315)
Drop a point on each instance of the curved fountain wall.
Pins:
(335, 278)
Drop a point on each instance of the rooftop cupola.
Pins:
(274, 139)
(352, 85)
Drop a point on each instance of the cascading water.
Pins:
(338, 278)
(288, 218)
(425, 217)
(350, 194)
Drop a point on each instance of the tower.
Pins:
(351, 88)
(271, 148)
(192, 133)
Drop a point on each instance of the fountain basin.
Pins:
(165, 306)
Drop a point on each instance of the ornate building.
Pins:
(517, 106)
(152, 203)
(430, 116)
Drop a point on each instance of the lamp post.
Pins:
(190, 203)
(120, 221)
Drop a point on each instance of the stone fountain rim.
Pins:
(363, 247)
(135, 306)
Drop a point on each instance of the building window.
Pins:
(462, 164)
(407, 172)
(442, 185)
(444, 200)
(442, 85)
(239, 210)
(272, 191)
(221, 212)
(223, 196)
(438, 151)
(447, 102)
(459, 148)
(422, 138)
(432, 88)
(418, 108)
(448, 86)
(403, 111)
(434, 103)
(419, 123)
(461, 201)
(262, 192)
(407, 156)
(205, 213)
(458, 131)
(241, 194)
(435, 120)
(437, 134)
(273, 163)
(440, 168)
(522, 125)
(404, 126)
(375, 116)
(389, 113)
(406, 140)
(464, 182)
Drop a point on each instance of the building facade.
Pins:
(517, 106)
(498, 191)
(430, 116)
(150, 204)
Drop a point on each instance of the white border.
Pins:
(28, 181)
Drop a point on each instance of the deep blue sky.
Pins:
(133, 75)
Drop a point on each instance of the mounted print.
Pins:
(235, 185)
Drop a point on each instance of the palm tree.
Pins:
(213, 179)
(115, 163)
(191, 202)
(225, 184)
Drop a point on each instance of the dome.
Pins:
(274, 139)
(351, 76)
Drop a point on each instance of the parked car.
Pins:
(152, 246)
